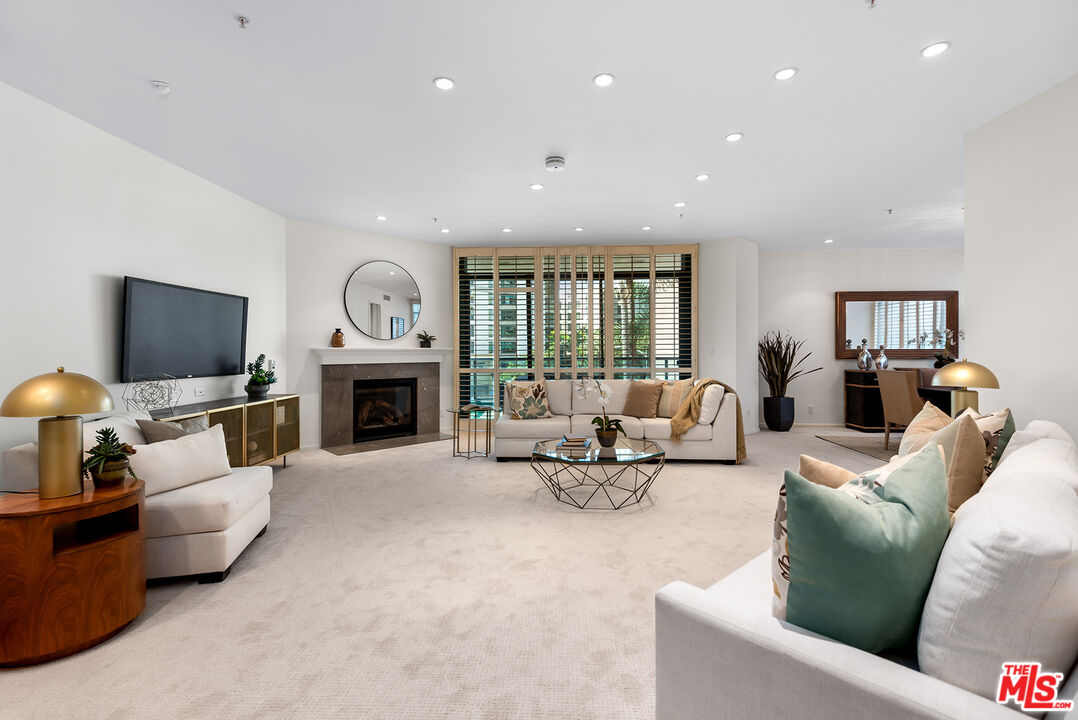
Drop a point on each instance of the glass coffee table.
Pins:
(599, 478)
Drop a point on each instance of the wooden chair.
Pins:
(898, 389)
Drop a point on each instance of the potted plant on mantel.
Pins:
(606, 428)
(425, 339)
(109, 461)
(778, 367)
(258, 386)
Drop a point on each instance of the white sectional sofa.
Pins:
(711, 439)
(720, 654)
(198, 529)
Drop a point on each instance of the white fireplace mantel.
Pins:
(370, 355)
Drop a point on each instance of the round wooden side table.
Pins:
(72, 571)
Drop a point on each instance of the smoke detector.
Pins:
(555, 163)
(160, 87)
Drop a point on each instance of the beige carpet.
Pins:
(870, 444)
(405, 584)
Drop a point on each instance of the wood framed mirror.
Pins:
(908, 324)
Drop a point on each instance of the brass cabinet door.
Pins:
(260, 427)
(231, 421)
(287, 418)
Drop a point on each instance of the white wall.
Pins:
(797, 295)
(728, 310)
(320, 260)
(79, 209)
(1022, 255)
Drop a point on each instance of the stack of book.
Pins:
(574, 443)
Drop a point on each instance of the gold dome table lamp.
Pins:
(964, 375)
(58, 399)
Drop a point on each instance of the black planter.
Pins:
(257, 392)
(779, 413)
(424, 343)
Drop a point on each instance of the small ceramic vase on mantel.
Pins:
(337, 339)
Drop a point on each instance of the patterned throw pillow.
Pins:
(528, 400)
(675, 392)
(996, 430)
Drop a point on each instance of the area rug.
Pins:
(871, 445)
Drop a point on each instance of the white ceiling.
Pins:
(325, 111)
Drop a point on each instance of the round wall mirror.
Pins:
(382, 300)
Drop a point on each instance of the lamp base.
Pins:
(59, 456)
(962, 399)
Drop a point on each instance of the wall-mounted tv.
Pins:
(182, 331)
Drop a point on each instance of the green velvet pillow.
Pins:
(862, 556)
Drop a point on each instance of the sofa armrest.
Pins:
(720, 657)
(20, 468)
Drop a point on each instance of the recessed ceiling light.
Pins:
(680, 204)
(160, 87)
(786, 73)
(646, 227)
(445, 231)
(536, 186)
(578, 229)
(392, 272)
(828, 241)
(935, 49)
(603, 80)
(381, 218)
(444, 83)
(734, 137)
(702, 176)
(507, 229)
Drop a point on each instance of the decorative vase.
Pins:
(607, 438)
(779, 413)
(865, 361)
(881, 359)
(337, 339)
(424, 343)
(256, 392)
(111, 473)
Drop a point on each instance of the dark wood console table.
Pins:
(72, 571)
(864, 407)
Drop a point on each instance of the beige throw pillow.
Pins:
(171, 464)
(528, 400)
(963, 452)
(170, 430)
(824, 473)
(920, 430)
(643, 399)
(996, 430)
(674, 393)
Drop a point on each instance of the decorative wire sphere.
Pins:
(152, 391)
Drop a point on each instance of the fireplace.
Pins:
(383, 408)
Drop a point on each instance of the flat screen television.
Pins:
(181, 331)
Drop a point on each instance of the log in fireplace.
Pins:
(383, 408)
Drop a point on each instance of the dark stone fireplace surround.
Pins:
(338, 391)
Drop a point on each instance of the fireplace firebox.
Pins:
(383, 408)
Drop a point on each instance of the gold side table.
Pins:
(473, 422)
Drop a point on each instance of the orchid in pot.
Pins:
(606, 428)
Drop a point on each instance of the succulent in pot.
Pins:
(109, 463)
(258, 386)
(425, 339)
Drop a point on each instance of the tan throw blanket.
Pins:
(689, 414)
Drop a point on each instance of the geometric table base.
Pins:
(595, 486)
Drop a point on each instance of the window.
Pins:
(557, 313)
(899, 324)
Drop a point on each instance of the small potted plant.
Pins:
(258, 386)
(606, 428)
(947, 340)
(425, 339)
(108, 463)
(779, 365)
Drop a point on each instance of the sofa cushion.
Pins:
(659, 429)
(634, 427)
(920, 430)
(1036, 430)
(208, 506)
(709, 404)
(587, 401)
(538, 429)
(822, 472)
(171, 464)
(1047, 457)
(674, 393)
(1006, 584)
(642, 400)
(996, 429)
(963, 449)
(527, 399)
(156, 431)
(560, 395)
(861, 562)
(125, 425)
